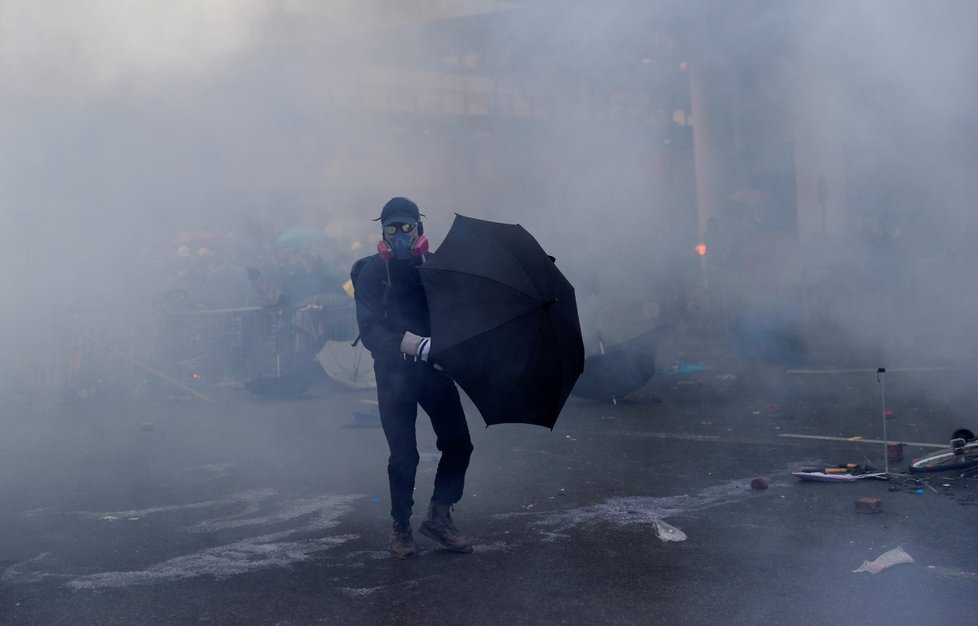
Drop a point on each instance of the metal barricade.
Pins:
(134, 354)
(225, 346)
(228, 346)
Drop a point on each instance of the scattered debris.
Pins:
(667, 532)
(848, 472)
(884, 561)
(683, 368)
(826, 478)
(868, 505)
(951, 572)
(910, 484)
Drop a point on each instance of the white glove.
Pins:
(416, 346)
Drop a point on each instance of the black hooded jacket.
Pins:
(385, 313)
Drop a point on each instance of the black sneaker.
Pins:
(440, 529)
(402, 541)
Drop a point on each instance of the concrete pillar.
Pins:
(817, 119)
(712, 139)
(820, 173)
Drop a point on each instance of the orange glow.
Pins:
(700, 249)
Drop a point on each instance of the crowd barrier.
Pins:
(116, 353)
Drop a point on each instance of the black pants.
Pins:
(401, 387)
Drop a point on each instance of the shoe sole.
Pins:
(403, 557)
(430, 534)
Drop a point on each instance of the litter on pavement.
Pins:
(848, 472)
(884, 561)
(667, 532)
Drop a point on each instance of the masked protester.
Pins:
(392, 313)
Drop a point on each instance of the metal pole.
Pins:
(881, 377)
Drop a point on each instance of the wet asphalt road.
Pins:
(248, 511)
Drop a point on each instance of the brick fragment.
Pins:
(868, 505)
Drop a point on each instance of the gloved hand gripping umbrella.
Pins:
(504, 322)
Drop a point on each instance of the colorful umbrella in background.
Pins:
(301, 237)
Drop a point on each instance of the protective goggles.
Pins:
(391, 229)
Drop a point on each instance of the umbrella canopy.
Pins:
(504, 322)
(349, 365)
(615, 373)
(301, 237)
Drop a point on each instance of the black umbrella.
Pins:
(504, 322)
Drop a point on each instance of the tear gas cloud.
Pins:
(902, 89)
(602, 127)
(124, 124)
